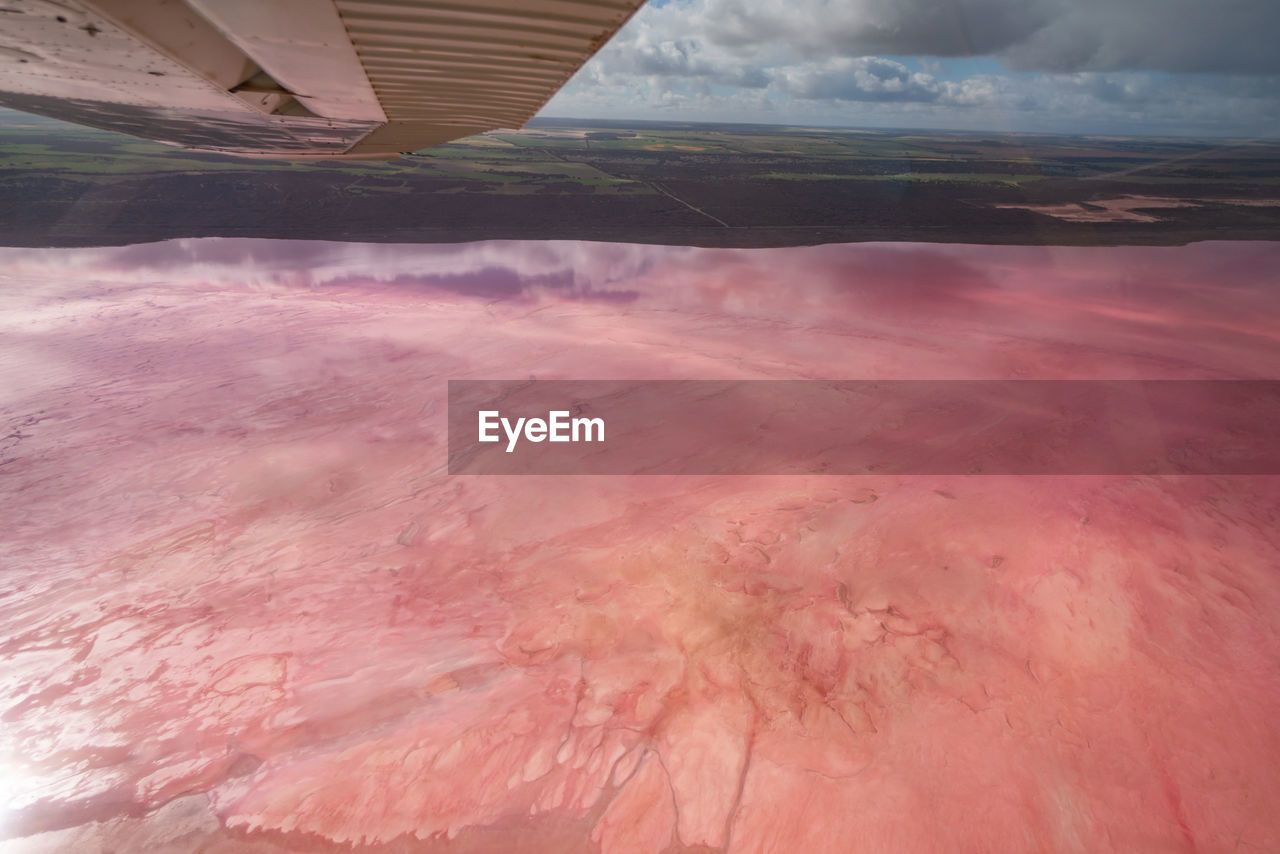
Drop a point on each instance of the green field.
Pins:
(704, 184)
(582, 156)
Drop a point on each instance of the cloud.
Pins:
(865, 78)
(1073, 66)
(1232, 36)
(687, 58)
(653, 44)
(815, 28)
(871, 78)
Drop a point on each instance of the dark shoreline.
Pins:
(709, 238)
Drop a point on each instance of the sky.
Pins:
(1155, 67)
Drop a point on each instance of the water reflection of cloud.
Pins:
(496, 283)
(503, 270)
(484, 270)
(1079, 297)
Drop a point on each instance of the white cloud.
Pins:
(1160, 66)
(865, 78)
(1234, 36)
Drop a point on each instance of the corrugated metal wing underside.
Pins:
(289, 78)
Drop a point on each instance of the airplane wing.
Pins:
(364, 79)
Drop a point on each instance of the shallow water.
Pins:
(247, 608)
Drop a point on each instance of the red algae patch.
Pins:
(247, 609)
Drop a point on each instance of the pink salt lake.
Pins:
(245, 608)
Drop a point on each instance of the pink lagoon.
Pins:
(246, 607)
